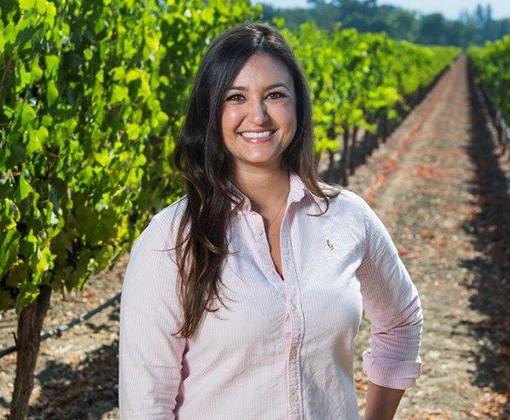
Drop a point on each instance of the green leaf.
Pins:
(208, 15)
(28, 292)
(26, 4)
(18, 273)
(9, 214)
(28, 114)
(140, 160)
(52, 62)
(134, 75)
(103, 158)
(51, 12)
(44, 262)
(42, 134)
(24, 187)
(51, 92)
(88, 54)
(279, 22)
(24, 76)
(118, 73)
(37, 139)
(9, 244)
(9, 112)
(47, 120)
(34, 144)
(119, 93)
(36, 72)
(133, 131)
(159, 122)
(41, 5)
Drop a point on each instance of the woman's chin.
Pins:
(263, 162)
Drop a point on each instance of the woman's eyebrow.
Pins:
(274, 85)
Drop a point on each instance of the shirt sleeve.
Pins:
(150, 358)
(392, 304)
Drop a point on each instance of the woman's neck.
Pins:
(264, 189)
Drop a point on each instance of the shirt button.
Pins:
(259, 232)
(293, 308)
(293, 353)
(271, 272)
(294, 397)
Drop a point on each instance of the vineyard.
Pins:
(491, 64)
(92, 96)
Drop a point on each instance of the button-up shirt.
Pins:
(278, 349)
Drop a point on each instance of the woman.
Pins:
(241, 300)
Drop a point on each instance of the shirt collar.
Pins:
(297, 192)
(297, 188)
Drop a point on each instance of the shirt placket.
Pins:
(259, 233)
(290, 293)
(294, 325)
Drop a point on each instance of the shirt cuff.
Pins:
(391, 373)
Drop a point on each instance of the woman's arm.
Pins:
(392, 304)
(382, 402)
(150, 358)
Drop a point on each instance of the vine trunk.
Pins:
(30, 324)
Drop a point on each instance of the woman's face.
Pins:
(259, 114)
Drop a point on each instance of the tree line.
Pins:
(471, 28)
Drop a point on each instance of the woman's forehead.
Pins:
(262, 69)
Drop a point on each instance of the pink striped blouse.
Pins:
(281, 350)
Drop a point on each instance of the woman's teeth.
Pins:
(259, 135)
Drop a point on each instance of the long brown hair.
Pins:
(204, 163)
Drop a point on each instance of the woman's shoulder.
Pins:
(152, 269)
(344, 199)
(170, 217)
(345, 218)
(161, 231)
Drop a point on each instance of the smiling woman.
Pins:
(259, 114)
(241, 301)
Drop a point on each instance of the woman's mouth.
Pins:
(257, 136)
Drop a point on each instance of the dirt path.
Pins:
(444, 197)
(425, 186)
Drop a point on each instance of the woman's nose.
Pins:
(257, 112)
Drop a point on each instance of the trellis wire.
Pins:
(59, 330)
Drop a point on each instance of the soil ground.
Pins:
(444, 195)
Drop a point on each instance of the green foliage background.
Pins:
(357, 78)
(92, 91)
(492, 63)
(92, 95)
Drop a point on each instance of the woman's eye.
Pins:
(276, 95)
(235, 98)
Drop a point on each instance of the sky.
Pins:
(449, 8)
